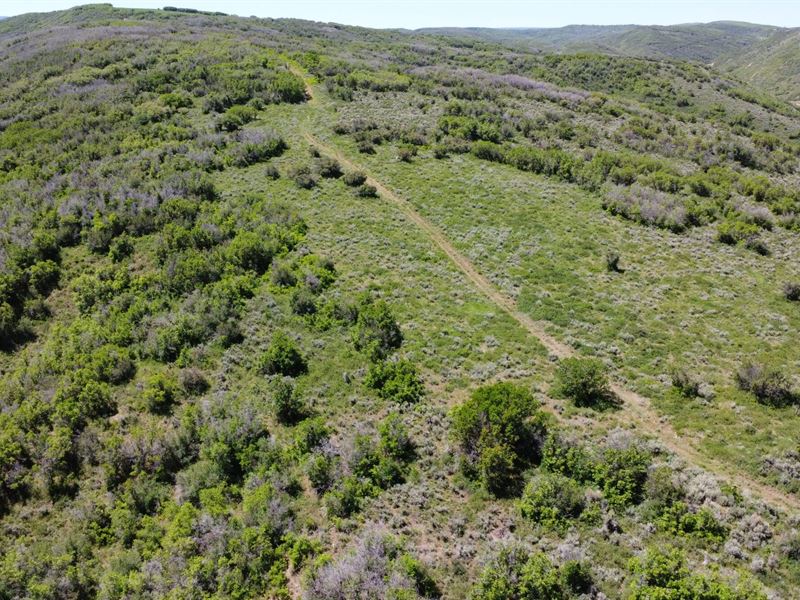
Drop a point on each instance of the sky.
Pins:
(414, 14)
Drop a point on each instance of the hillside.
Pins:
(303, 310)
(763, 55)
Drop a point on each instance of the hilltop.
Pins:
(302, 310)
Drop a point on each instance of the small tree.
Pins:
(584, 381)
(282, 357)
(500, 431)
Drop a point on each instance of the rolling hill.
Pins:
(302, 310)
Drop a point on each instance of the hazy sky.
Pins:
(465, 13)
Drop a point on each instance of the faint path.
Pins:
(636, 410)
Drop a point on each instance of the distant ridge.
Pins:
(765, 55)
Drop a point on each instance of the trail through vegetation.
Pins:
(636, 409)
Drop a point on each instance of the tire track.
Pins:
(636, 409)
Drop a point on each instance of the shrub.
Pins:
(286, 87)
(376, 332)
(282, 357)
(791, 291)
(303, 302)
(367, 191)
(622, 475)
(570, 459)
(499, 427)
(768, 385)
(584, 381)
(235, 117)
(687, 385)
(43, 276)
(551, 500)
(251, 252)
(394, 439)
(395, 380)
(302, 177)
(678, 520)
(734, 232)
(354, 178)
(612, 262)
(160, 393)
(288, 406)
(329, 168)
(662, 573)
(515, 573)
(320, 471)
(193, 381)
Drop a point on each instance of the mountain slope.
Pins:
(301, 310)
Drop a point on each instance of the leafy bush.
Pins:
(584, 381)
(159, 394)
(678, 520)
(552, 501)
(515, 573)
(663, 573)
(287, 404)
(251, 252)
(328, 168)
(376, 332)
(500, 431)
(395, 380)
(367, 191)
(282, 357)
(235, 117)
(622, 475)
(567, 458)
(354, 178)
(768, 385)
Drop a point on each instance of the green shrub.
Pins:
(515, 573)
(678, 520)
(235, 117)
(43, 276)
(551, 500)
(282, 357)
(251, 252)
(354, 178)
(567, 458)
(663, 573)
(769, 385)
(500, 431)
(584, 381)
(159, 394)
(376, 332)
(367, 191)
(622, 474)
(287, 404)
(395, 380)
(394, 439)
